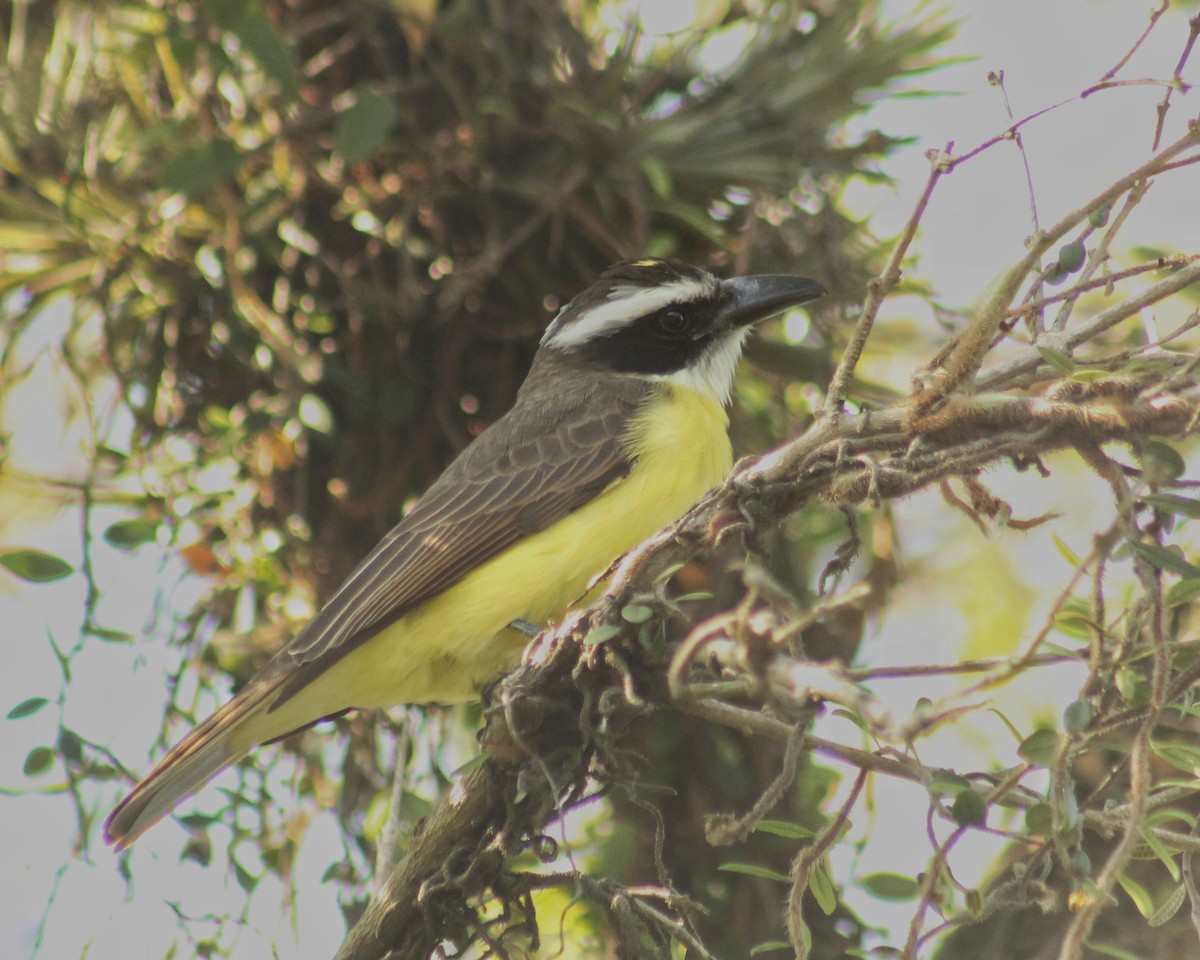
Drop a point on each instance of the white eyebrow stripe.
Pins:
(624, 304)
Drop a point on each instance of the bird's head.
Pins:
(670, 321)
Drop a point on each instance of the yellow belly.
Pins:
(448, 647)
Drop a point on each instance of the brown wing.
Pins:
(549, 455)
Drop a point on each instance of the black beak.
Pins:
(750, 299)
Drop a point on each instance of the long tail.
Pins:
(222, 739)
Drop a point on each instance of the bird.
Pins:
(618, 429)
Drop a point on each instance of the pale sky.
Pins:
(1049, 51)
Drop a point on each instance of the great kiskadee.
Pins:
(618, 429)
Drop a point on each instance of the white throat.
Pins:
(711, 375)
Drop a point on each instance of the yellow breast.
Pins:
(449, 646)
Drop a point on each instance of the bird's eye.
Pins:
(673, 322)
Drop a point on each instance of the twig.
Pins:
(1165, 104)
(996, 79)
(1154, 16)
(878, 288)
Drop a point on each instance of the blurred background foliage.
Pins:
(306, 250)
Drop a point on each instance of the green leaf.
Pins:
(362, 128)
(1077, 716)
(1179, 754)
(820, 885)
(36, 566)
(128, 534)
(1173, 503)
(109, 636)
(1118, 953)
(1164, 558)
(27, 708)
(38, 761)
(1183, 591)
(70, 746)
(1039, 748)
(769, 946)
(784, 828)
(1137, 893)
(1169, 907)
(1090, 375)
(1161, 462)
(890, 886)
(1067, 553)
(636, 613)
(198, 169)
(752, 870)
(854, 718)
(969, 808)
(245, 879)
(601, 634)
(946, 782)
(1056, 359)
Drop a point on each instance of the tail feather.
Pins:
(216, 743)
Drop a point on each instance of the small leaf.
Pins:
(1132, 686)
(1067, 553)
(245, 879)
(70, 746)
(27, 708)
(769, 946)
(1090, 375)
(784, 828)
(1137, 893)
(601, 634)
(1057, 360)
(1039, 748)
(752, 870)
(362, 128)
(1183, 591)
(1169, 907)
(820, 885)
(110, 636)
(1077, 716)
(1173, 503)
(854, 718)
(636, 613)
(1178, 753)
(1164, 558)
(890, 886)
(35, 566)
(969, 809)
(1161, 462)
(38, 761)
(946, 782)
(127, 534)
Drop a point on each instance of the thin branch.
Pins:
(1154, 17)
